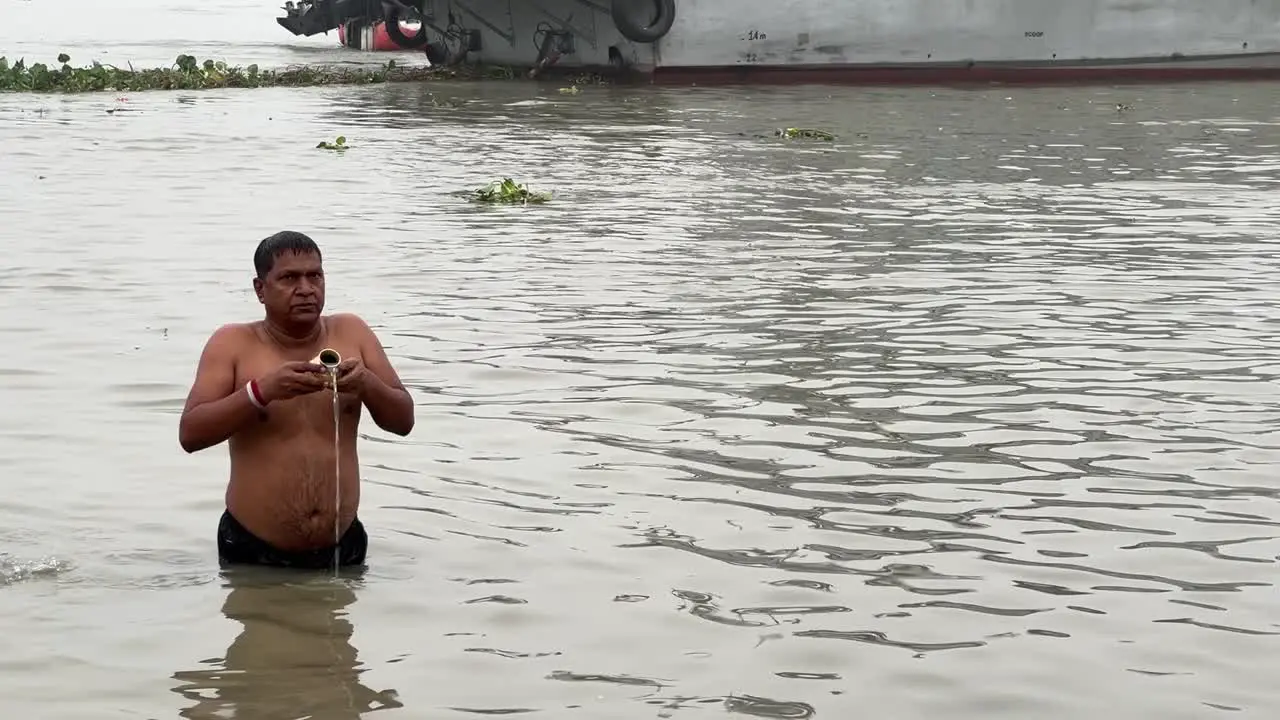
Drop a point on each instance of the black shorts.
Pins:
(238, 546)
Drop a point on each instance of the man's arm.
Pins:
(215, 407)
(390, 405)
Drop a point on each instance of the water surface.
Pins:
(969, 414)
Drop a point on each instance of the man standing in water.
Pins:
(257, 388)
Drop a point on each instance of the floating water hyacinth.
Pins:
(804, 134)
(188, 73)
(338, 144)
(508, 191)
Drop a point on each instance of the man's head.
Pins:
(290, 279)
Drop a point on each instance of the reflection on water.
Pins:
(292, 658)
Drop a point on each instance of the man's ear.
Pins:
(257, 289)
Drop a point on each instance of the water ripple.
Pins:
(14, 570)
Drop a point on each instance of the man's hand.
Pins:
(352, 377)
(293, 379)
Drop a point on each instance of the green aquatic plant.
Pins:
(508, 191)
(571, 90)
(804, 134)
(339, 144)
(188, 73)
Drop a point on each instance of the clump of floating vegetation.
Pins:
(571, 90)
(339, 144)
(508, 191)
(188, 73)
(804, 134)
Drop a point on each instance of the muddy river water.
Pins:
(970, 414)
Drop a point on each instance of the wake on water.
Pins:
(14, 570)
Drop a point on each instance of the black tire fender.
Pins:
(392, 21)
(351, 33)
(624, 12)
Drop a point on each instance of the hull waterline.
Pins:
(1136, 70)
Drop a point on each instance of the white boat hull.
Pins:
(890, 40)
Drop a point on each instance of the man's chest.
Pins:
(259, 363)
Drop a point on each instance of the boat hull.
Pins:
(886, 41)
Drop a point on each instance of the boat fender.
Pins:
(396, 33)
(624, 17)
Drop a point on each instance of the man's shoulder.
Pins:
(227, 342)
(234, 333)
(240, 329)
(348, 322)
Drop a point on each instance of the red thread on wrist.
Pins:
(257, 394)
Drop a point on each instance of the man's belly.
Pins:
(290, 499)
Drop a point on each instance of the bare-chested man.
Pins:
(257, 388)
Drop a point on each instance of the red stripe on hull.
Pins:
(962, 74)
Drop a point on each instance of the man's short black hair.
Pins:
(264, 258)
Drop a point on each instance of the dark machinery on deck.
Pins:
(641, 21)
(312, 17)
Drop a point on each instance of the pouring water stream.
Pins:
(330, 359)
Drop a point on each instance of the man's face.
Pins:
(293, 291)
